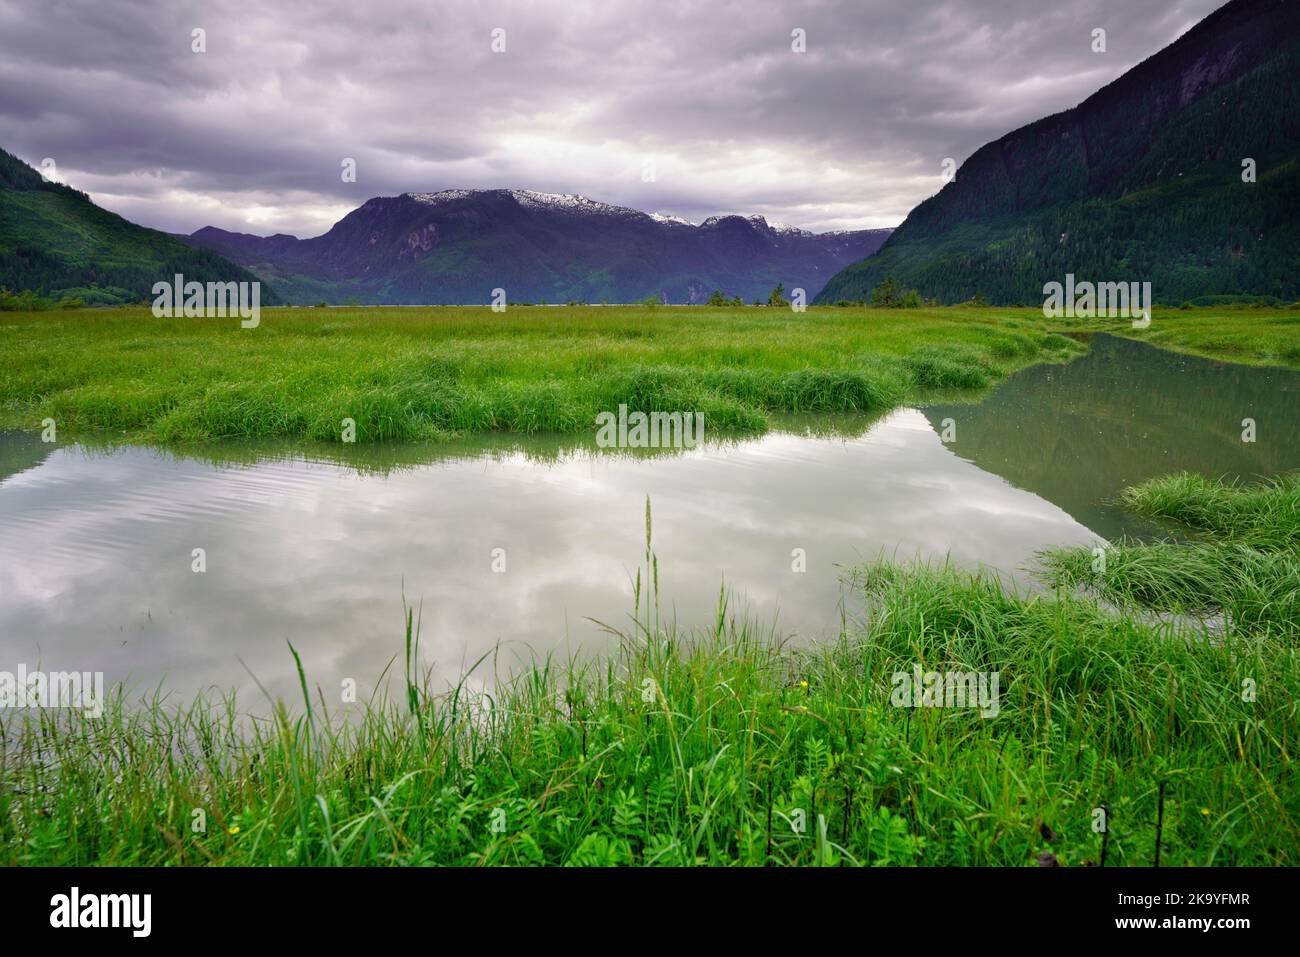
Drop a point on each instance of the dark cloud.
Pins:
(251, 134)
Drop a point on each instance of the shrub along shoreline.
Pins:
(722, 746)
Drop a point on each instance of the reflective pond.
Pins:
(318, 547)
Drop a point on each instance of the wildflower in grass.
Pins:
(234, 829)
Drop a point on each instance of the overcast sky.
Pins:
(251, 134)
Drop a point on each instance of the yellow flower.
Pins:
(1205, 811)
(803, 684)
(235, 829)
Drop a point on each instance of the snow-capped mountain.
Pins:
(458, 245)
(530, 199)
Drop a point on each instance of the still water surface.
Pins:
(96, 544)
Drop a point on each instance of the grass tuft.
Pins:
(1242, 560)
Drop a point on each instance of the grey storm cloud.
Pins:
(587, 97)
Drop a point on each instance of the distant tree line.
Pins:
(892, 295)
(28, 301)
(775, 298)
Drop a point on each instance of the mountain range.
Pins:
(1146, 180)
(458, 245)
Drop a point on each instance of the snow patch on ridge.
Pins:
(669, 218)
(528, 198)
(570, 202)
(786, 230)
(444, 196)
(578, 204)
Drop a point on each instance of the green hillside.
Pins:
(1141, 182)
(55, 241)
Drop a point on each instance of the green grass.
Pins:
(1245, 335)
(684, 746)
(1264, 516)
(428, 373)
(431, 373)
(708, 747)
(1242, 562)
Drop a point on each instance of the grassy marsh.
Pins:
(429, 373)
